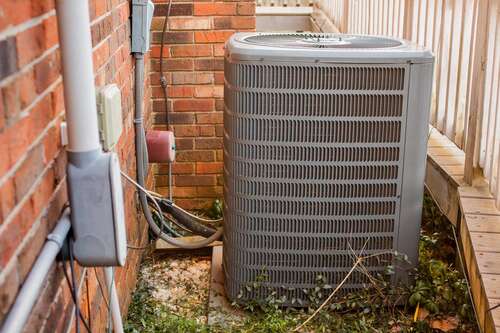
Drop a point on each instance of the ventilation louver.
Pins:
(324, 154)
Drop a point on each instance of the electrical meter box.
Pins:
(142, 15)
(109, 109)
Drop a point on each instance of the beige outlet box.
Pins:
(109, 109)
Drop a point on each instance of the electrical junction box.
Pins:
(97, 210)
(109, 108)
(142, 15)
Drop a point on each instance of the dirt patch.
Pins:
(181, 284)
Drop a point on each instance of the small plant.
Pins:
(270, 303)
(216, 210)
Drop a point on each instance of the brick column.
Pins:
(194, 60)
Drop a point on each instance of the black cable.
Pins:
(163, 79)
(75, 294)
(87, 326)
(101, 289)
(88, 298)
(184, 221)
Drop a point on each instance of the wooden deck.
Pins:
(472, 209)
(480, 237)
(444, 173)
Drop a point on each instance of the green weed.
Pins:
(439, 288)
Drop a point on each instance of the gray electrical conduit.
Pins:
(139, 146)
(32, 286)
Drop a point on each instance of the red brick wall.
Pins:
(195, 61)
(32, 161)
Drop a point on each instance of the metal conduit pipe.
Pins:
(113, 302)
(32, 286)
(139, 154)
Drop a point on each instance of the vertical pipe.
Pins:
(114, 305)
(32, 286)
(79, 91)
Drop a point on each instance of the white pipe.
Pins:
(32, 286)
(78, 75)
(113, 302)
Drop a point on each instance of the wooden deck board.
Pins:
(494, 313)
(488, 262)
(481, 232)
(444, 173)
(479, 206)
(445, 151)
(486, 242)
(449, 160)
(454, 170)
(163, 246)
(492, 285)
(475, 192)
(436, 139)
(479, 224)
(483, 223)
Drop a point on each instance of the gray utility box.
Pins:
(324, 154)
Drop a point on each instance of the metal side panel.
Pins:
(417, 130)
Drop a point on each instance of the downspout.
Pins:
(32, 286)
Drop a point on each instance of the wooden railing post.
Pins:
(477, 88)
(344, 25)
(408, 19)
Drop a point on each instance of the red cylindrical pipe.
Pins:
(161, 146)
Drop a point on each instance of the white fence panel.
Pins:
(451, 28)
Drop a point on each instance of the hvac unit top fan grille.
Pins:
(316, 40)
(319, 162)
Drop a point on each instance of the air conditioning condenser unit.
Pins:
(324, 157)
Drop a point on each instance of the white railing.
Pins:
(465, 38)
(335, 10)
(285, 3)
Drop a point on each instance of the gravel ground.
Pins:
(181, 284)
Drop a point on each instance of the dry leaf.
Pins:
(422, 314)
(446, 324)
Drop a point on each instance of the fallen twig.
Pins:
(357, 263)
